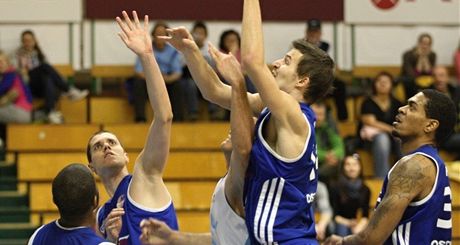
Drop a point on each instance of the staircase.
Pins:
(15, 225)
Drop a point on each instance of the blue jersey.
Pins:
(53, 233)
(427, 221)
(279, 192)
(134, 214)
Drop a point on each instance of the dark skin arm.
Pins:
(410, 181)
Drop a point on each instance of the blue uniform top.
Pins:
(427, 221)
(134, 214)
(279, 192)
(53, 233)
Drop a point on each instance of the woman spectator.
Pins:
(43, 79)
(377, 115)
(348, 195)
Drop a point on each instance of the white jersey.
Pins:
(227, 227)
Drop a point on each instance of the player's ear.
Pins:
(431, 125)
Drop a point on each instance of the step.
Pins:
(13, 241)
(8, 184)
(16, 230)
(14, 215)
(13, 199)
(7, 169)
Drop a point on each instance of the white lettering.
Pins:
(311, 197)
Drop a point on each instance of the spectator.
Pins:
(169, 61)
(348, 195)
(329, 145)
(313, 35)
(200, 34)
(377, 115)
(417, 65)
(442, 84)
(323, 207)
(43, 79)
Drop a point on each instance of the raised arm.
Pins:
(156, 232)
(290, 122)
(212, 88)
(151, 161)
(242, 128)
(411, 180)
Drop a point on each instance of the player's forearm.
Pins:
(156, 89)
(252, 48)
(241, 121)
(206, 79)
(182, 238)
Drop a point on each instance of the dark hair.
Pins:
(41, 56)
(157, 25)
(318, 67)
(88, 146)
(74, 189)
(440, 107)
(224, 35)
(381, 74)
(202, 25)
(357, 157)
(423, 35)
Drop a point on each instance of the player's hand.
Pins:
(227, 65)
(113, 221)
(333, 240)
(134, 35)
(180, 38)
(155, 232)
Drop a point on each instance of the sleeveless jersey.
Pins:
(279, 192)
(227, 227)
(427, 221)
(134, 214)
(53, 233)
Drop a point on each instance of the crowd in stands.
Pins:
(33, 77)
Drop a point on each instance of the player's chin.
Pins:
(395, 132)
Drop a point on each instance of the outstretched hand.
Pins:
(135, 36)
(180, 38)
(227, 65)
(155, 232)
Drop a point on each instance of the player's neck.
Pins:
(111, 182)
(411, 145)
(86, 221)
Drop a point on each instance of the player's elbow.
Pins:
(164, 117)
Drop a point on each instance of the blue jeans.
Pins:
(382, 146)
(342, 230)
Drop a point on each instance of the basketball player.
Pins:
(143, 193)
(414, 206)
(76, 196)
(227, 211)
(281, 180)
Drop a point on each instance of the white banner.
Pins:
(21, 11)
(402, 12)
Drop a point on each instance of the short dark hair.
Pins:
(88, 146)
(202, 25)
(440, 107)
(224, 35)
(313, 25)
(318, 67)
(423, 35)
(74, 189)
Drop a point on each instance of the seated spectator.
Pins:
(377, 115)
(417, 65)
(348, 195)
(43, 79)
(322, 206)
(329, 145)
(200, 34)
(441, 82)
(169, 61)
(313, 35)
(15, 97)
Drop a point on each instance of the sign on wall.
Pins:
(402, 12)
